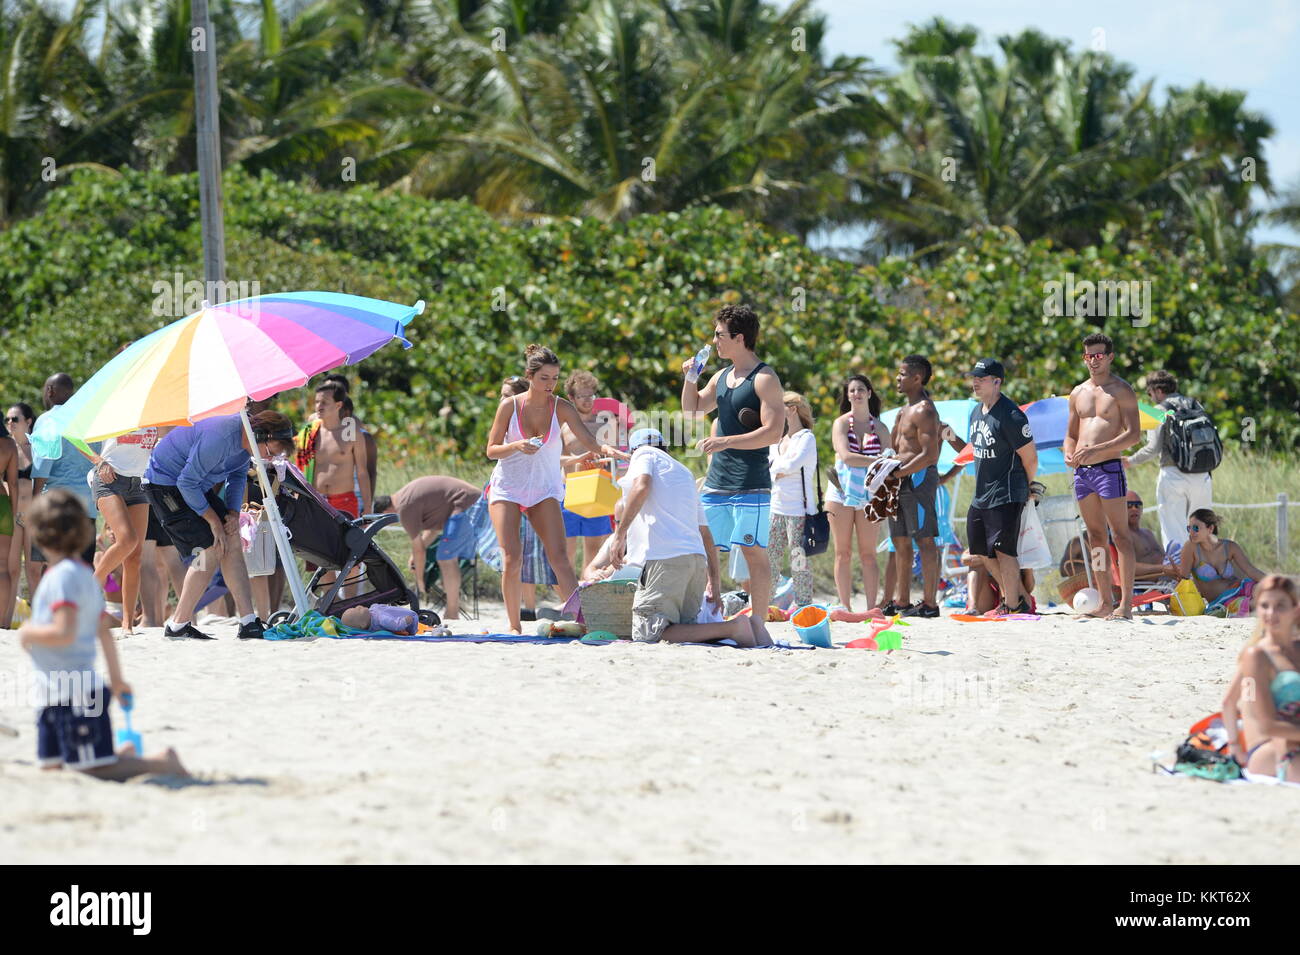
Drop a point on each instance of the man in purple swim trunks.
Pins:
(1103, 424)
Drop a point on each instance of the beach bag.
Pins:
(1199, 755)
(1031, 546)
(1191, 438)
(816, 527)
(257, 540)
(1187, 600)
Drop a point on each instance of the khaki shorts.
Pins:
(671, 591)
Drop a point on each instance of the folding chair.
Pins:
(437, 594)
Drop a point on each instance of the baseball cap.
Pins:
(643, 436)
(987, 368)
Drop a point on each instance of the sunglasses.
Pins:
(1137, 504)
(1090, 356)
(12, 420)
(1192, 528)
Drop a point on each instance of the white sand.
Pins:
(997, 742)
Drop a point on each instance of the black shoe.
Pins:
(921, 610)
(188, 631)
(252, 631)
(1023, 607)
(526, 614)
(892, 608)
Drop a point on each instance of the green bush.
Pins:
(629, 300)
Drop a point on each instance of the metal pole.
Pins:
(1283, 543)
(208, 139)
(301, 602)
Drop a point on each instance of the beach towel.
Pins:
(860, 485)
(306, 442)
(315, 624)
(1232, 603)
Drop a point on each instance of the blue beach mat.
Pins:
(315, 624)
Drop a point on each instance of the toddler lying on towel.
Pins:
(400, 620)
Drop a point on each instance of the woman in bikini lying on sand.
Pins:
(1265, 690)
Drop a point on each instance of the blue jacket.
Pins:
(196, 458)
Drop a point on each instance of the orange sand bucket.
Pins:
(813, 625)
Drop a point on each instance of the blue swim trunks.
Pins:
(575, 525)
(740, 518)
(458, 540)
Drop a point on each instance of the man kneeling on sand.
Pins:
(663, 528)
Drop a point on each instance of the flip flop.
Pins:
(1118, 617)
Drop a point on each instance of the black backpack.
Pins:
(1190, 436)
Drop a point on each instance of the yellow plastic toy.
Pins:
(1187, 600)
(591, 493)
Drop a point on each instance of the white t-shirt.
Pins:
(668, 524)
(800, 452)
(67, 674)
(129, 453)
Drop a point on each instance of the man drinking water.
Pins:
(738, 488)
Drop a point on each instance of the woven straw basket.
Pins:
(607, 605)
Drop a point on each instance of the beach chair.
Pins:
(333, 541)
(437, 594)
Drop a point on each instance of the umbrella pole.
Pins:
(301, 602)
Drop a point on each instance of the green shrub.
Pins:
(628, 300)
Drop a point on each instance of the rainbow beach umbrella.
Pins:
(212, 362)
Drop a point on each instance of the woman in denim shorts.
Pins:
(115, 482)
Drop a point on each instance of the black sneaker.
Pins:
(892, 608)
(526, 614)
(921, 610)
(188, 631)
(251, 631)
(1023, 607)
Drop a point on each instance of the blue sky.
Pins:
(1252, 46)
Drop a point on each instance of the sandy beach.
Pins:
(990, 742)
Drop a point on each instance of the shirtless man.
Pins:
(581, 388)
(1103, 424)
(340, 457)
(916, 442)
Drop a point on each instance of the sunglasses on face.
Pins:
(1137, 504)
(1193, 528)
(1094, 356)
(12, 420)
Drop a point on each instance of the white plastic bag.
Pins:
(258, 544)
(1031, 546)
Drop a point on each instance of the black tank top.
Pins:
(733, 470)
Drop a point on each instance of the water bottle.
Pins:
(697, 366)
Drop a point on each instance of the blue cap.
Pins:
(643, 436)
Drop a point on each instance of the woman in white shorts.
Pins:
(859, 438)
(525, 442)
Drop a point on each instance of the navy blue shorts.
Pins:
(69, 735)
(575, 525)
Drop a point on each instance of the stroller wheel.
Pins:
(429, 618)
(279, 617)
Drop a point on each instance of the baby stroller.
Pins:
(334, 541)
